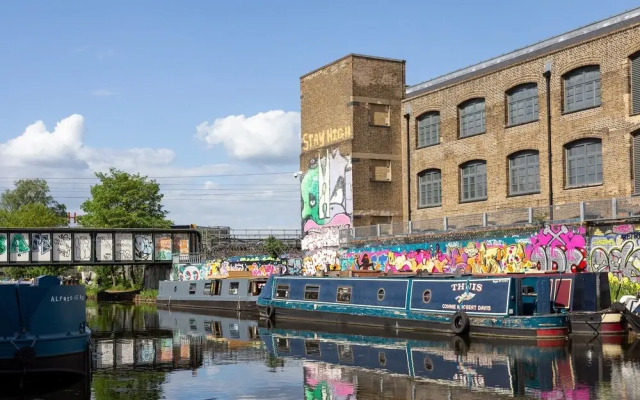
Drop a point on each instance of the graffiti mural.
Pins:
(163, 247)
(40, 247)
(82, 247)
(19, 247)
(259, 266)
(143, 247)
(3, 247)
(123, 249)
(552, 248)
(61, 247)
(104, 247)
(615, 249)
(325, 190)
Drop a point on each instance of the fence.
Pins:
(593, 210)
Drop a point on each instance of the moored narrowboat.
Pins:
(226, 293)
(479, 306)
(43, 327)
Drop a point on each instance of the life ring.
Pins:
(460, 323)
(270, 311)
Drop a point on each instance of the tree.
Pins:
(122, 200)
(274, 247)
(32, 215)
(30, 191)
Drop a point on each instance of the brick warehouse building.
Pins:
(474, 140)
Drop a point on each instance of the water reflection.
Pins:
(145, 353)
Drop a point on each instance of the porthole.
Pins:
(382, 359)
(380, 294)
(428, 364)
(426, 296)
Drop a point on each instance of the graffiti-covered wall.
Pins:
(257, 265)
(327, 207)
(551, 248)
(615, 248)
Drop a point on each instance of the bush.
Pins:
(148, 294)
(621, 287)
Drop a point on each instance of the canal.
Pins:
(146, 353)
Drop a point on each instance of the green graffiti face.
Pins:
(309, 190)
(3, 244)
(18, 244)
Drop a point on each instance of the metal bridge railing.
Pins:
(592, 210)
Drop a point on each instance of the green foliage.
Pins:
(622, 287)
(149, 294)
(274, 247)
(31, 191)
(16, 273)
(122, 200)
(33, 215)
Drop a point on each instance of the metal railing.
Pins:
(592, 210)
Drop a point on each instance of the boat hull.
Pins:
(237, 294)
(248, 306)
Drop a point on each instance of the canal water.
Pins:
(146, 353)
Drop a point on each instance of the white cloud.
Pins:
(240, 195)
(269, 137)
(103, 93)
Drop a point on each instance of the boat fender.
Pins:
(269, 324)
(460, 323)
(270, 311)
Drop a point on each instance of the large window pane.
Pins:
(430, 188)
(584, 163)
(473, 181)
(472, 118)
(429, 129)
(522, 102)
(524, 173)
(582, 89)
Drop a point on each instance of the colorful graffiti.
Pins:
(325, 189)
(552, 248)
(3, 244)
(616, 250)
(324, 381)
(258, 266)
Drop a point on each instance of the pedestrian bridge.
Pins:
(23, 247)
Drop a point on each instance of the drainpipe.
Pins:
(407, 117)
(547, 77)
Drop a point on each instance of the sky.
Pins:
(202, 96)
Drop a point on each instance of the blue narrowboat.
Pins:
(495, 306)
(431, 365)
(43, 327)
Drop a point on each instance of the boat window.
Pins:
(428, 364)
(217, 329)
(312, 347)
(528, 290)
(253, 332)
(207, 288)
(207, 326)
(233, 287)
(381, 294)
(345, 353)
(426, 296)
(344, 294)
(192, 288)
(283, 345)
(192, 324)
(311, 292)
(234, 331)
(382, 358)
(256, 287)
(215, 289)
(282, 291)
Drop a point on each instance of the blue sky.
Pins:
(203, 96)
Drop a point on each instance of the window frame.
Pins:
(575, 74)
(475, 176)
(512, 101)
(428, 184)
(525, 167)
(311, 289)
(432, 125)
(464, 113)
(192, 288)
(568, 159)
(634, 64)
(237, 288)
(348, 290)
(282, 287)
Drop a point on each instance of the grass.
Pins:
(149, 294)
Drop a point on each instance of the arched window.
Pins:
(428, 129)
(522, 104)
(584, 162)
(430, 188)
(524, 173)
(582, 88)
(473, 181)
(472, 117)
